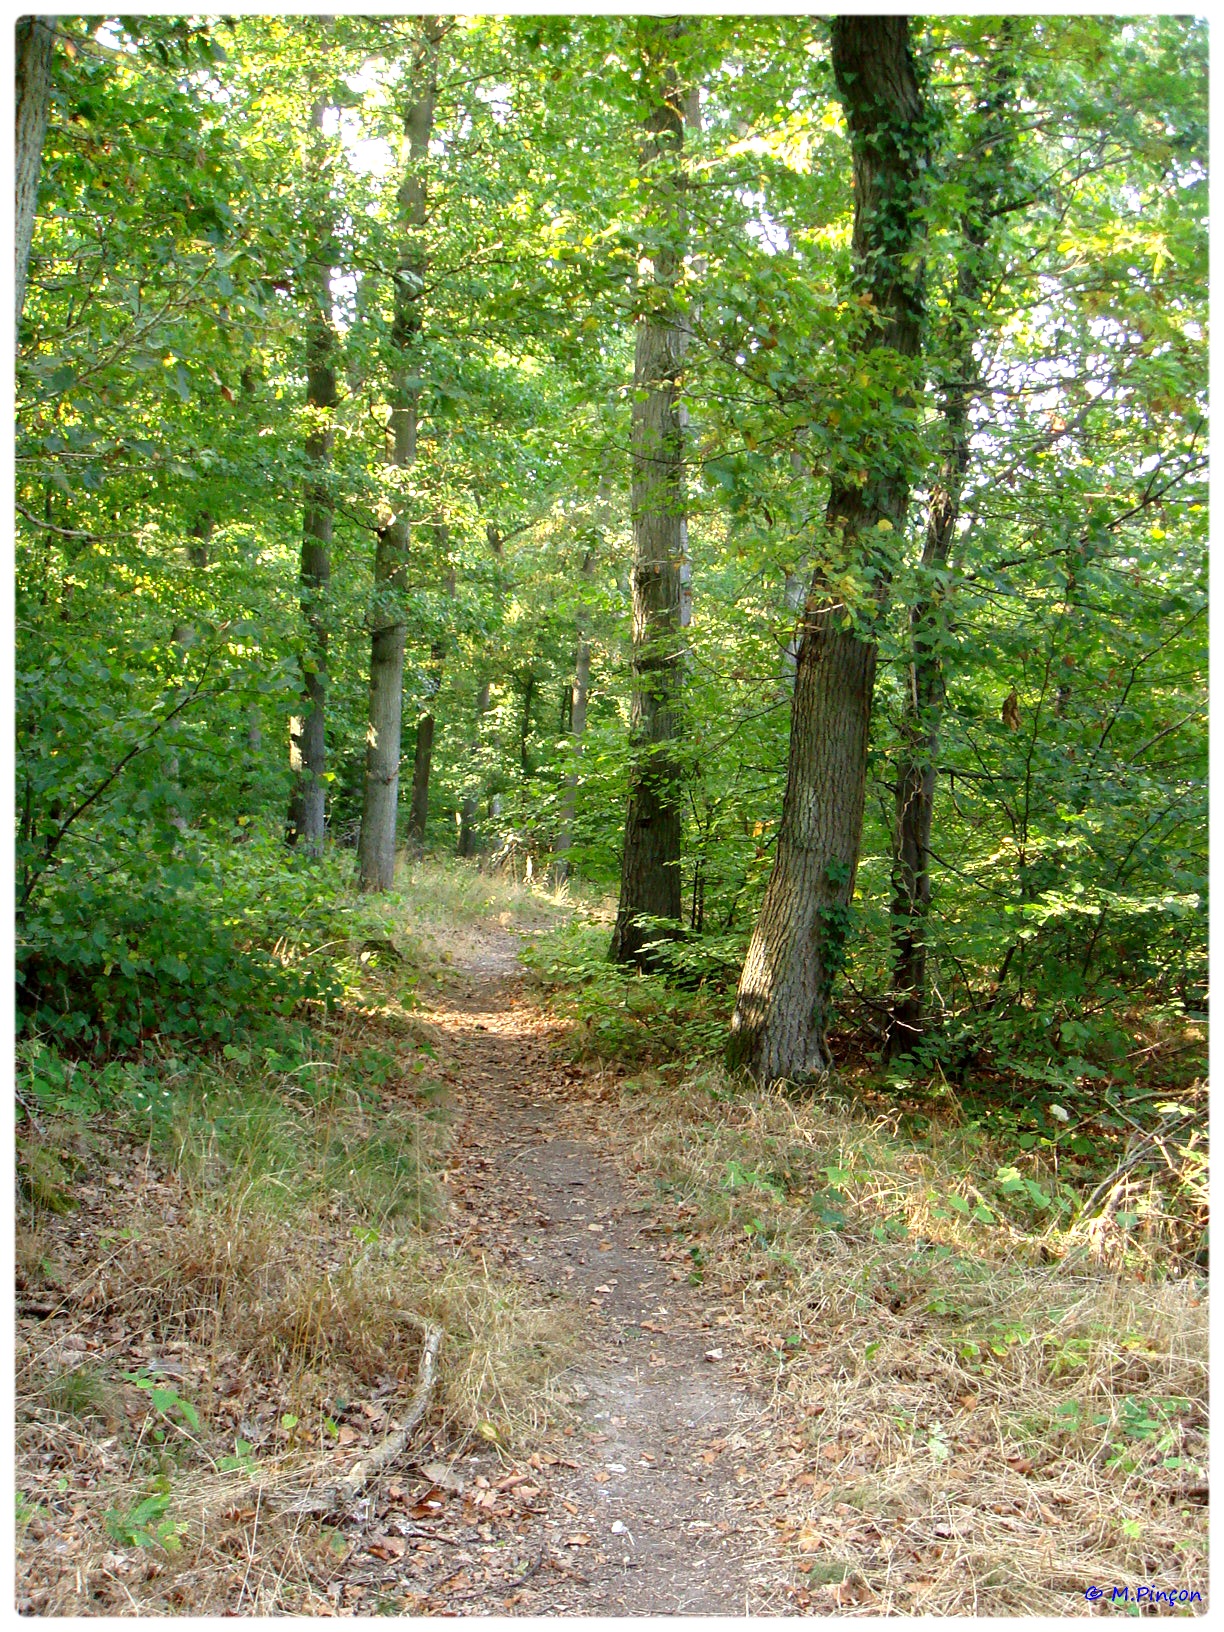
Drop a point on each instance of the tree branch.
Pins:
(55, 839)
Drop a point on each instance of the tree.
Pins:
(650, 867)
(578, 692)
(1031, 849)
(307, 731)
(986, 158)
(779, 1024)
(376, 849)
(35, 53)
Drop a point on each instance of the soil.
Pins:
(653, 1507)
(649, 1485)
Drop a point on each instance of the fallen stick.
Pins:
(1131, 1159)
(282, 1490)
(341, 1493)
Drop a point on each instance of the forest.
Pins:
(610, 801)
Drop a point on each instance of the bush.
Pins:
(204, 947)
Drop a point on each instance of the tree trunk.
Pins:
(184, 636)
(794, 592)
(466, 845)
(423, 758)
(987, 167)
(915, 784)
(579, 688)
(469, 839)
(35, 53)
(308, 749)
(422, 761)
(380, 803)
(650, 867)
(797, 949)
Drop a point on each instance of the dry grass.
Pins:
(980, 1420)
(257, 1261)
(265, 1331)
(441, 894)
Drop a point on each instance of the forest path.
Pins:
(648, 1502)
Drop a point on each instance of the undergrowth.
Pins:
(985, 1324)
(224, 1239)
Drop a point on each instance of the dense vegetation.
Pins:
(217, 200)
(750, 467)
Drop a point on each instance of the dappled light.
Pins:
(611, 814)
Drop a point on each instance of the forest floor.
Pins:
(706, 1351)
(654, 1508)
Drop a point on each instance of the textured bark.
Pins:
(779, 1026)
(988, 171)
(308, 747)
(650, 866)
(388, 632)
(35, 52)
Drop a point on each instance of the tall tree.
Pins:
(308, 742)
(35, 53)
(580, 687)
(779, 1023)
(650, 866)
(422, 763)
(986, 162)
(376, 847)
(575, 712)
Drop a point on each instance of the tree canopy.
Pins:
(213, 192)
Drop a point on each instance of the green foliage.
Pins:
(146, 1525)
(203, 948)
(159, 467)
(626, 1016)
(166, 1400)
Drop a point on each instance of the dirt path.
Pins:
(647, 1506)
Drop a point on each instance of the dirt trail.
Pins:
(650, 1514)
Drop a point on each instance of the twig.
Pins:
(343, 1492)
(64, 532)
(28, 1109)
(1131, 1159)
(53, 840)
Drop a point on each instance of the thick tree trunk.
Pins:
(781, 1014)
(650, 866)
(796, 952)
(380, 804)
(988, 168)
(308, 748)
(35, 53)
